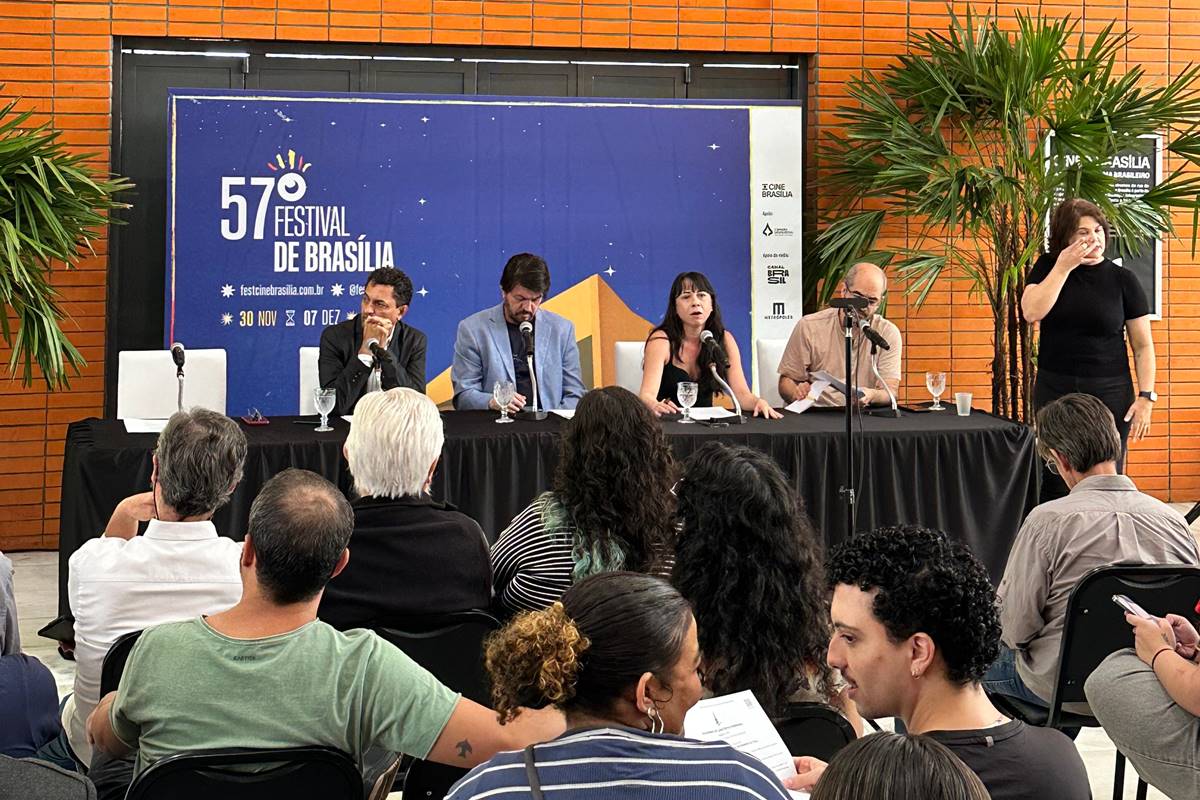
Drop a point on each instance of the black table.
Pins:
(974, 477)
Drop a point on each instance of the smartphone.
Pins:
(1130, 606)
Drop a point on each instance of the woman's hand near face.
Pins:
(1072, 255)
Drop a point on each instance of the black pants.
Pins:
(1116, 392)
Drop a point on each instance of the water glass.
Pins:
(503, 393)
(935, 382)
(963, 401)
(324, 400)
(687, 392)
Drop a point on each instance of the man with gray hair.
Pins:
(1104, 520)
(818, 343)
(413, 556)
(178, 568)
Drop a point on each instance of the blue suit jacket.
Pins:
(483, 356)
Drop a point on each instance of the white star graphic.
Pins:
(422, 201)
(227, 290)
(227, 319)
(424, 119)
(422, 291)
(714, 147)
(609, 272)
(352, 315)
(336, 290)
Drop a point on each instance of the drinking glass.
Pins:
(503, 393)
(324, 400)
(962, 401)
(935, 382)
(686, 392)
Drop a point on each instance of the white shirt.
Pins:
(175, 571)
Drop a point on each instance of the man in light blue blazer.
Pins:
(490, 346)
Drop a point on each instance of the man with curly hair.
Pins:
(915, 628)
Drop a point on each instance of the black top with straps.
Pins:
(668, 387)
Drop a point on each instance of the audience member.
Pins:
(890, 766)
(619, 656)
(610, 508)
(1104, 520)
(490, 347)
(349, 366)
(413, 556)
(748, 561)
(1148, 700)
(179, 568)
(39, 780)
(915, 627)
(818, 344)
(10, 633)
(29, 702)
(268, 673)
(676, 354)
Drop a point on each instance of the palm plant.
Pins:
(953, 140)
(51, 205)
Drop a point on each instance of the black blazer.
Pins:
(340, 368)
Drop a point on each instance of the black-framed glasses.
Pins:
(874, 301)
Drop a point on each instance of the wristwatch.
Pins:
(1150, 395)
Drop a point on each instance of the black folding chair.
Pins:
(1094, 628)
(814, 729)
(451, 647)
(114, 662)
(1193, 515)
(297, 773)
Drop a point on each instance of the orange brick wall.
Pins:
(58, 56)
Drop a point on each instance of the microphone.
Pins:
(526, 329)
(872, 334)
(707, 338)
(177, 355)
(380, 353)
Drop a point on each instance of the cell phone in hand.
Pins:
(1133, 608)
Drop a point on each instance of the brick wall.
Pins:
(58, 57)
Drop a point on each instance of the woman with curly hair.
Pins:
(675, 354)
(610, 507)
(748, 561)
(619, 657)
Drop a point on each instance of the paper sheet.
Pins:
(144, 425)
(348, 417)
(739, 721)
(711, 412)
(807, 402)
(565, 413)
(821, 375)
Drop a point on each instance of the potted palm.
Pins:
(52, 207)
(965, 140)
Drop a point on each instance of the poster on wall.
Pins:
(280, 204)
(1135, 170)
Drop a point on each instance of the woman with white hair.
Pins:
(410, 556)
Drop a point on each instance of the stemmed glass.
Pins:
(503, 393)
(324, 400)
(686, 392)
(935, 382)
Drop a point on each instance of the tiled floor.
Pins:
(36, 580)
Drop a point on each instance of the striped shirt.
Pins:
(603, 763)
(533, 559)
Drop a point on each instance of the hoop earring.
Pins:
(656, 723)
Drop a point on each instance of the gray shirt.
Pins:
(10, 634)
(1104, 520)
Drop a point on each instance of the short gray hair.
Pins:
(394, 438)
(1079, 428)
(200, 457)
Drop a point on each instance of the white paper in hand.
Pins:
(821, 375)
(805, 403)
(739, 721)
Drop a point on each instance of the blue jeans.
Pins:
(1002, 678)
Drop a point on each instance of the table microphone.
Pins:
(526, 329)
(707, 338)
(379, 352)
(872, 334)
(177, 355)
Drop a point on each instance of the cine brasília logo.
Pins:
(290, 186)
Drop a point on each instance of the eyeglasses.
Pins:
(1052, 466)
(874, 301)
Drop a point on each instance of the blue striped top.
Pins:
(602, 763)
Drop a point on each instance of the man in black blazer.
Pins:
(347, 363)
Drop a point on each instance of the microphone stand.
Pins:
(179, 398)
(847, 489)
(737, 407)
(536, 413)
(891, 411)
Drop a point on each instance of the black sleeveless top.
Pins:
(668, 387)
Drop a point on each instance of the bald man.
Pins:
(818, 344)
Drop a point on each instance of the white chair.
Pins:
(768, 353)
(147, 388)
(628, 360)
(309, 379)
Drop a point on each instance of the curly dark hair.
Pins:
(748, 560)
(926, 583)
(672, 326)
(614, 478)
(584, 652)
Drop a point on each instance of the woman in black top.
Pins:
(1087, 305)
(674, 353)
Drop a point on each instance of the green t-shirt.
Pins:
(187, 687)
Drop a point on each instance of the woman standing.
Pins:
(1087, 306)
(675, 353)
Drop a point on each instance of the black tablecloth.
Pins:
(974, 477)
